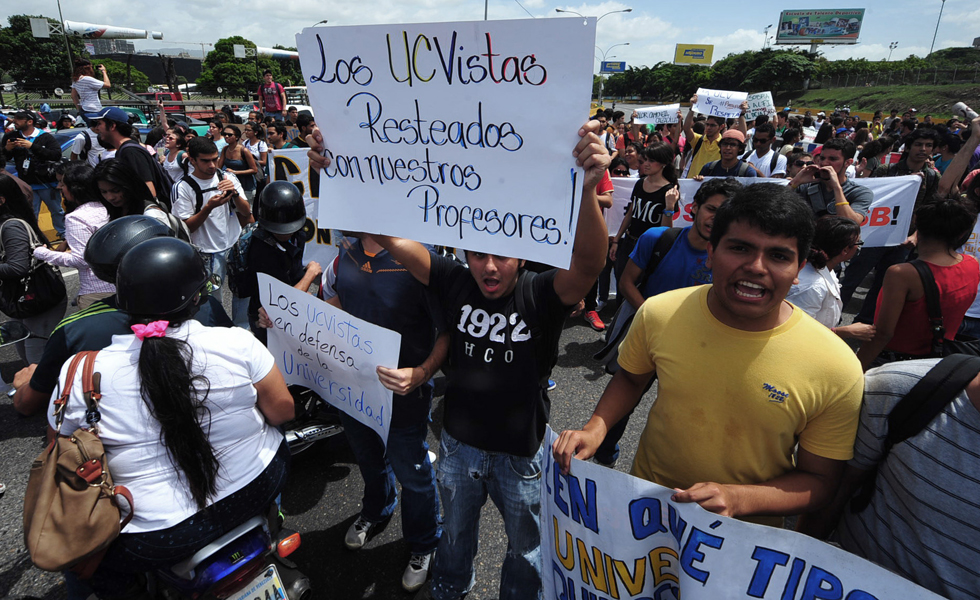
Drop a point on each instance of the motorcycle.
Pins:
(248, 562)
(315, 420)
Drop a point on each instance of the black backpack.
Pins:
(609, 355)
(743, 168)
(913, 413)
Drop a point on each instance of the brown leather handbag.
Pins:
(71, 513)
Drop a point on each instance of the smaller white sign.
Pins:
(720, 103)
(657, 115)
(760, 104)
(331, 352)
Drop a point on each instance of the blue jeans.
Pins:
(52, 198)
(466, 476)
(276, 114)
(407, 459)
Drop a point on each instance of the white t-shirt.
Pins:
(243, 442)
(221, 229)
(259, 147)
(762, 163)
(88, 93)
(94, 153)
(818, 295)
(172, 166)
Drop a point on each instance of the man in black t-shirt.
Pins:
(114, 131)
(496, 405)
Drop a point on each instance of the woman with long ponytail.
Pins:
(189, 416)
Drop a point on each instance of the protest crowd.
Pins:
(738, 317)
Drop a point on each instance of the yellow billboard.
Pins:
(693, 54)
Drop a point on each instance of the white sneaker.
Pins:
(358, 533)
(416, 572)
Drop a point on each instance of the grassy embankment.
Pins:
(936, 100)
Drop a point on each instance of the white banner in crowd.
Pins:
(760, 104)
(888, 219)
(720, 103)
(605, 534)
(656, 115)
(293, 165)
(331, 352)
(431, 137)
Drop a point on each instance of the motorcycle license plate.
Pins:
(267, 586)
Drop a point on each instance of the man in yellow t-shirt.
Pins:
(704, 148)
(743, 375)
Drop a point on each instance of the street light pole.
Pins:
(891, 48)
(612, 12)
(765, 42)
(941, 7)
(604, 54)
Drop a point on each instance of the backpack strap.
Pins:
(933, 308)
(743, 168)
(660, 250)
(697, 147)
(773, 161)
(913, 413)
(709, 166)
(198, 192)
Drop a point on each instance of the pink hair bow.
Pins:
(154, 329)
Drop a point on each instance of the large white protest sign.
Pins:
(431, 137)
(886, 224)
(331, 352)
(293, 165)
(656, 115)
(760, 104)
(720, 103)
(605, 534)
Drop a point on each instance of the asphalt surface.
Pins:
(323, 495)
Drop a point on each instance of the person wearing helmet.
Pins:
(93, 328)
(277, 247)
(189, 401)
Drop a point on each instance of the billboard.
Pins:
(693, 54)
(837, 26)
(613, 66)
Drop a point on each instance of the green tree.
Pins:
(36, 63)
(289, 71)
(238, 75)
(117, 74)
(783, 71)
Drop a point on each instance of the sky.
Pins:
(651, 29)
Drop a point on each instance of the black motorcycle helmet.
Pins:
(113, 240)
(281, 208)
(161, 276)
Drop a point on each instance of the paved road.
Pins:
(321, 499)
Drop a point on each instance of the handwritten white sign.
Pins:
(431, 138)
(887, 221)
(331, 352)
(605, 534)
(622, 192)
(656, 115)
(293, 165)
(760, 104)
(720, 103)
